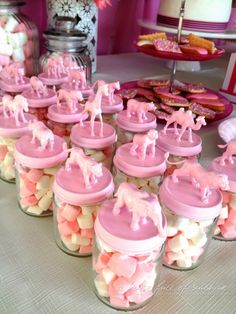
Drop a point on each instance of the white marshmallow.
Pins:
(191, 230)
(224, 212)
(192, 250)
(50, 193)
(99, 156)
(108, 275)
(18, 55)
(200, 239)
(101, 287)
(11, 24)
(171, 231)
(8, 160)
(43, 183)
(67, 242)
(17, 40)
(149, 280)
(40, 193)
(45, 202)
(174, 256)
(177, 243)
(85, 221)
(181, 223)
(232, 203)
(205, 223)
(87, 210)
(217, 230)
(36, 210)
(3, 36)
(52, 171)
(185, 263)
(103, 247)
(77, 239)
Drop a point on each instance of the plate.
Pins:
(218, 116)
(151, 51)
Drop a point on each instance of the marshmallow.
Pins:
(45, 202)
(178, 243)
(11, 24)
(43, 183)
(18, 55)
(200, 239)
(108, 275)
(69, 245)
(224, 212)
(191, 230)
(77, 239)
(51, 171)
(85, 221)
(17, 40)
(3, 36)
(35, 210)
(184, 263)
(232, 203)
(122, 265)
(101, 287)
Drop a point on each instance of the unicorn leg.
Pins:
(101, 120)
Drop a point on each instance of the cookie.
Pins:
(162, 115)
(166, 108)
(127, 93)
(152, 36)
(191, 88)
(175, 102)
(159, 83)
(164, 91)
(144, 84)
(202, 111)
(149, 94)
(166, 45)
(207, 95)
(215, 105)
(192, 50)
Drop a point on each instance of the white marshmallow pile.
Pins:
(7, 168)
(75, 227)
(186, 240)
(103, 155)
(35, 190)
(123, 280)
(150, 185)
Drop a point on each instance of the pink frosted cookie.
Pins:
(166, 45)
(206, 95)
(192, 50)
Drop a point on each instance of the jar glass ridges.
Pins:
(19, 37)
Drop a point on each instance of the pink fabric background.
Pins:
(117, 26)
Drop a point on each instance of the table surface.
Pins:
(37, 277)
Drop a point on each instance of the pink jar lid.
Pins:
(116, 107)
(8, 127)
(42, 101)
(52, 81)
(133, 125)
(133, 166)
(11, 87)
(70, 188)
(30, 155)
(168, 143)
(115, 231)
(184, 199)
(227, 169)
(64, 115)
(81, 135)
(71, 86)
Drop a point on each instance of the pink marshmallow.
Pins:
(3, 151)
(29, 201)
(220, 222)
(70, 212)
(113, 293)
(137, 295)
(4, 60)
(88, 233)
(119, 302)
(122, 265)
(228, 230)
(60, 219)
(226, 197)
(34, 175)
(121, 285)
(31, 187)
(141, 273)
(232, 215)
(20, 28)
(102, 261)
(67, 228)
(85, 249)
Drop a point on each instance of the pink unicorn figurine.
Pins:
(228, 154)
(55, 67)
(201, 178)
(186, 121)
(141, 142)
(91, 170)
(139, 109)
(44, 135)
(78, 78)
(94, 108)
(15, 107)
(71, 99)
(111, 89)
(14, 71)
(141, 204)
(37, 87)
(69, 62)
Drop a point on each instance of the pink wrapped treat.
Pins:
(181, 143)
(79, 190)
(135, 119)
(226, 165)
(95, 137)
(14, 123)
(140, 162)
(192, 202)
(130, 231)
(39, 98)
(38, 158)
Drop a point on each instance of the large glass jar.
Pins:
(190, 221)
(178, 151)
(127, 260)
(226, 224)
(76, 204)
(66, 43)
(127, 126)
(9, 133)
(101, 148)
(19, 37)
(36, 167)
(145, 173)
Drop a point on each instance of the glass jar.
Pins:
(111, 106)
(9, 133)
(68, 43)
(190, 221)
(100, 148)
(146, 174)
(178, 150)
(126, 262)
(226, 224)
(19, 37)
(35, 171)
(128, 126)
(62, 119)
(76, 205)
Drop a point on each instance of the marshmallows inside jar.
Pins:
(130, 231)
